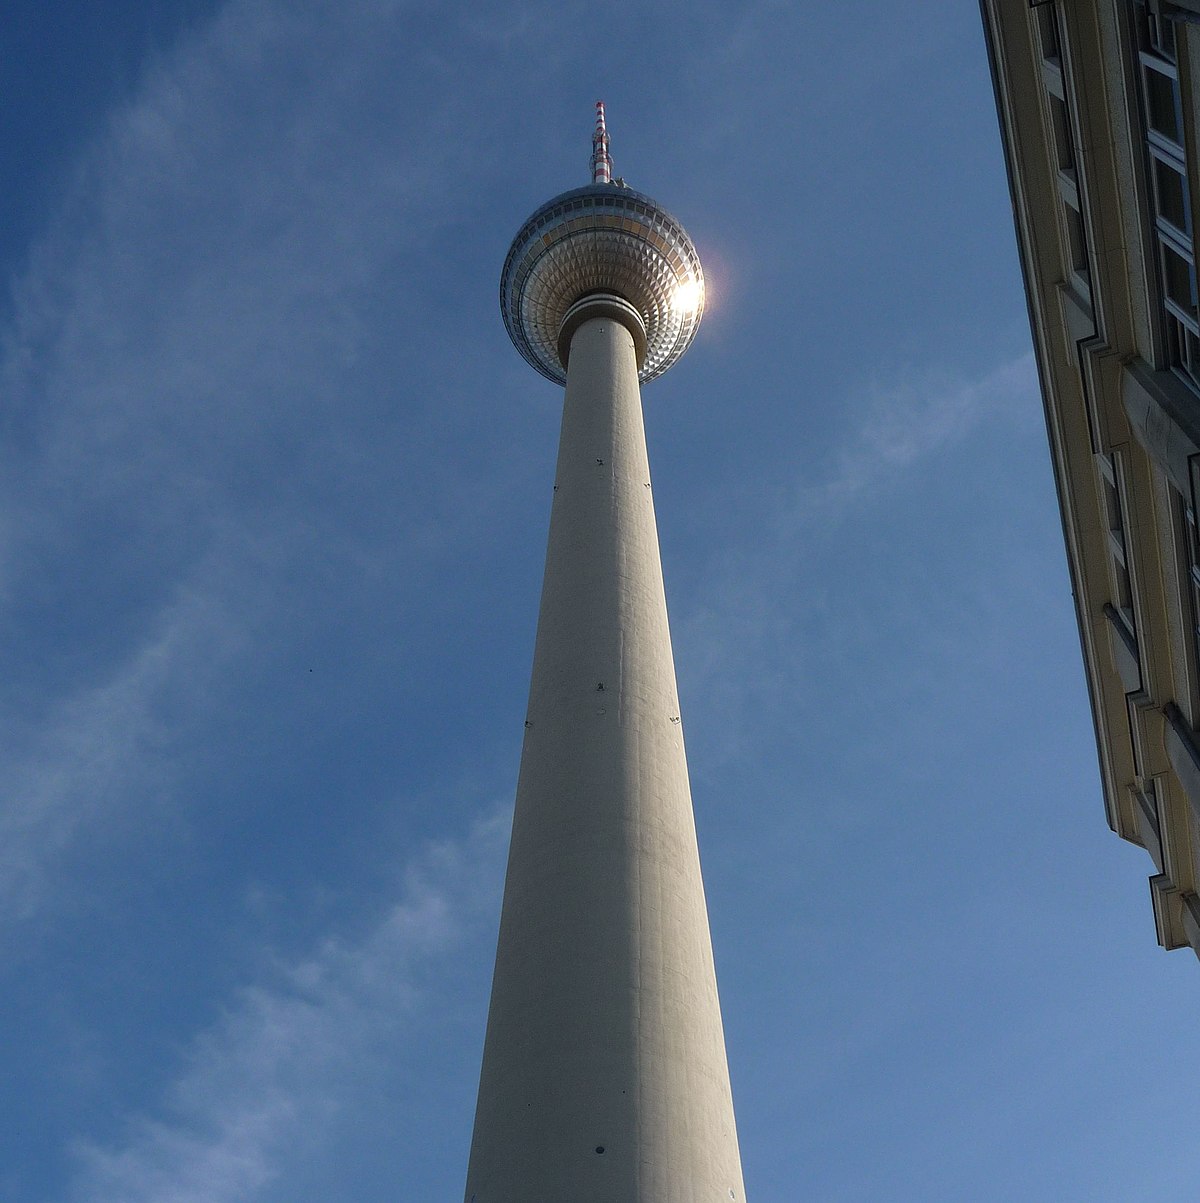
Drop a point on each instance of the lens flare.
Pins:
(688, 296)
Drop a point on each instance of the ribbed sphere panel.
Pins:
(602, 238)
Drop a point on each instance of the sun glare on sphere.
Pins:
(688, 296)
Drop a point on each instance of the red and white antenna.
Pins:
(601, 159)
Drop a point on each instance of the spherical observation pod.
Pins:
(602, 238)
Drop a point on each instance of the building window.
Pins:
(1047, 23)
(1155, 32)
(1163, 129)
(1179, 281)
(1114, 513)
(1077, 243)
(1163, 113)
(1171, 194)
(1191, 544)
(1183, 346)
(1064, 147)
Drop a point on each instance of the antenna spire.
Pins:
(601, 159)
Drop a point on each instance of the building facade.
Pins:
(1099, 106)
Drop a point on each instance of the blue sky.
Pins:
(275, 494)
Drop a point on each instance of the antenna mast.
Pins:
(601, 159)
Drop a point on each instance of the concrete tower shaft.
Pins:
(604, 1074)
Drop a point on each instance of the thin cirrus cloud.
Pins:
(899, 430)
(203, 293)
(905, 422)
(264, 1089)
(103, 753)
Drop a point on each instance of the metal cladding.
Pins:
(602, 238)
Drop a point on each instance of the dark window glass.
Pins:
(1112, 510)
(1164, 41)
(1063, 146)
(1162, 111)
(1076, 241)
(1047, 20)
(1192, 539)
(1179, 279)
(1191, 356)
(1171, 191)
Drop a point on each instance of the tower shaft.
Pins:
(604, 1074)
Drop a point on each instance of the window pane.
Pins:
(1172, 196)
(1076, 241)
(1179, 279)
(1160, 104)
(1165, 41)
(1047, 20)
(1063, 145)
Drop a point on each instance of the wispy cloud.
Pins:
(906, 421)
(190, 375)
(744, 651)
(106, 749)
(259, 1089)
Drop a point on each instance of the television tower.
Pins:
(604, 1074)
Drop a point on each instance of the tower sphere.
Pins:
(603, 238)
